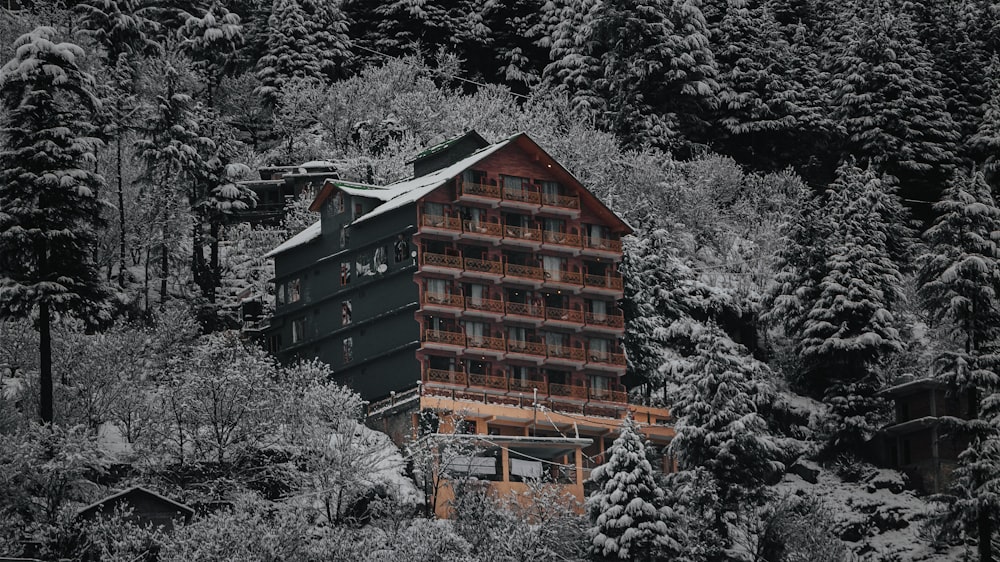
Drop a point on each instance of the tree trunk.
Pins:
(985, 536)
(214, 273)
(45, 362)
(164, 268)
(121, 212)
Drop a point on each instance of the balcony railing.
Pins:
(565, 201)
(494, 267)
(484, 342)
(493, 229)
(520, 195)
(603, 281)
(566, 352)
(561, 238)
(609, 320)
(526, 347)
(524, 309)
(522, 233)
(442, 222)
(446, 376)
(484, 305)
(442, 299)
(445, 337)
(563, 276)
(524, 271)
(501, 384)
(602, 244)
(480, 190)
(606, 358)
(441, 260)
(564, 315)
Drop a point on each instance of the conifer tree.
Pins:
(850, 330)
(720, 425)
(575, 65)
(984, 144)
(211, 40)
(627, 508)
(327, 26)
(120, 27)
(888, 99)
(48, 195)
(287, 57)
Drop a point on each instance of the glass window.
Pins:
(294, 292)
(298, 330)
(346, 313)
(348, 350)
(475, 332)
(345, 273)
(359, 210)
(279, 294)
(513, 182)
(401, 249)
(338, 202)
(343, 236)
(599, 348)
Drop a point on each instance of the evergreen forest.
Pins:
(813, 185)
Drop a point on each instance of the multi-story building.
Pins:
(485, 288)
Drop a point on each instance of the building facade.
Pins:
(486, 285)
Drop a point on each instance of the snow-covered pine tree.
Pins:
(287, 56)
(49, 210)
(120, 27)
(984, 144)
(211, 40)
(327, 25)
(659, 73)
(887, 97)
(174, 156)
(720, 425)
(574, 53)
(665, 307)
(850, 329)
(630, 520)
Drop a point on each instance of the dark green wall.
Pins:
(382, 329)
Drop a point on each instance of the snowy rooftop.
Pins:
(311, 233)
(408, 191)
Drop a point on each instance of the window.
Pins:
(475, 332)
(294, 293)
(279, 294)
(401, 248)
(556, 341)
(599, 309)
(597, 236)
(513, 182)
(345, 273)
(298, 330)
(599, 348)
(346, 313)
(599, 383)
(437, 289)
(338, 202)
(553, 267)
(381, 254)
(516, 336)
(359, 210)
(348, 350)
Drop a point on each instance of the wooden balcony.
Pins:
(527, 273)
(528, 386)
(442, 302)
(482, 380)
(563, 317)
(604, 323)
(478, 344)
(564, 279)
(441, 263)
(601, 247)
(522, 236)
(566, 355)
(568, 391)
(563, 240)
(605, 358)
(484, 307)
(438, 224)
(608, 395)
(442, 376)
(482, 230)
(528, 349)
(525, 312)
(443, 337)
(486, 269)
(479, 191)
(604, 284)
(561, 204)
(521, 198)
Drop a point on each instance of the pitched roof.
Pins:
(311, 233)
(136, 489)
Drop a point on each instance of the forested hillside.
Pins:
(812, 186)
